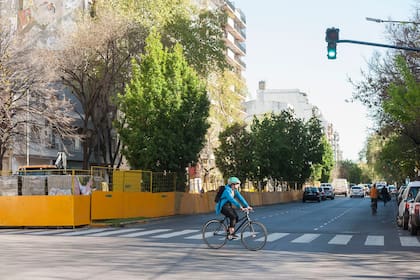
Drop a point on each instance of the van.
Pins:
(340, 186)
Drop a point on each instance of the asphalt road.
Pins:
(332, 239)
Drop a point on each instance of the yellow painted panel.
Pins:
(82, 210)
(118, 181)
(148, 204)
(107, 205)
(42, 210)
(132, 181)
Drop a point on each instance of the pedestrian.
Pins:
(385, 195)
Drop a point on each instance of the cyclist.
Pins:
(385, 194)
(227, 199)
(374, 196)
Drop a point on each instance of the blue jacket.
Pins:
(228, 197)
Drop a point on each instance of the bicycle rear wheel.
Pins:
(254, 236)
(215, 234)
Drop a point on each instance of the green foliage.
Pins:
(351, 171)
(165, 109)
(395, 161)
(235, 156)
(200, 33)
(391, 91)
(152, 14)
(202, 37)
(283, 148)
(327, 164)
(403, 103)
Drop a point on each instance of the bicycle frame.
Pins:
(241, 221)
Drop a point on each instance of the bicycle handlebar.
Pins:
(247, 210)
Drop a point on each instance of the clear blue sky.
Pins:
(286, 47)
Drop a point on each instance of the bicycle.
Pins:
(374, 206)
(253, 234)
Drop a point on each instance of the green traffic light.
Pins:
(332, 54)
(332, 51)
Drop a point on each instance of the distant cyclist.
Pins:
(385, 194)
(227, 199)
(374, 196)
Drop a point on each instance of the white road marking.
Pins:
(82, 232)
(409, 241)
(340, 239)
(306, 238)
(374, 240)
(275, 236)
(142, 233)
(112, 232)
(176, 233)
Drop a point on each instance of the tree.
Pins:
(165, 109)
(202, 36)
(30, 95)
(179, 22)
(322, 171)
(235, 156)
(351, 171)
(94, 66)
(390, 89)
(278, 146)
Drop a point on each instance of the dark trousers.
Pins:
(229, 212)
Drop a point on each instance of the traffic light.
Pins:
(331, 38)
(332, 50)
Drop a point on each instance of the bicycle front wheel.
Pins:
(254, 236)
(215, 234)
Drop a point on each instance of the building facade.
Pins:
(42, 23)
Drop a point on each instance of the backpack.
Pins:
(219, 193)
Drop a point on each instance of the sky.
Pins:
(286, 48)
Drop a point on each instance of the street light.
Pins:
(393, 21)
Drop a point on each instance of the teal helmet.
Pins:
(233, 180)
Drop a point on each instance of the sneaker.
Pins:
(232, 236)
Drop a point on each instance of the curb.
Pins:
(121, 224)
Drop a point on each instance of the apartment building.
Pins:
(235, 31)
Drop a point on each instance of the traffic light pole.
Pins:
(379, 45)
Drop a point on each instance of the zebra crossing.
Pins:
(195, 234)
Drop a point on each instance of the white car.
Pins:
(357, 191)
(392, 190)
(407, 198)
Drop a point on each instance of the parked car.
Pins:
(357, 191)
(322, 193)
(311, 193)
(400, 192)
(414, 216)
(407, 198)
(329, 192)
(392, 190)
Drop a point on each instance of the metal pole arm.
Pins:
(380, 45)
